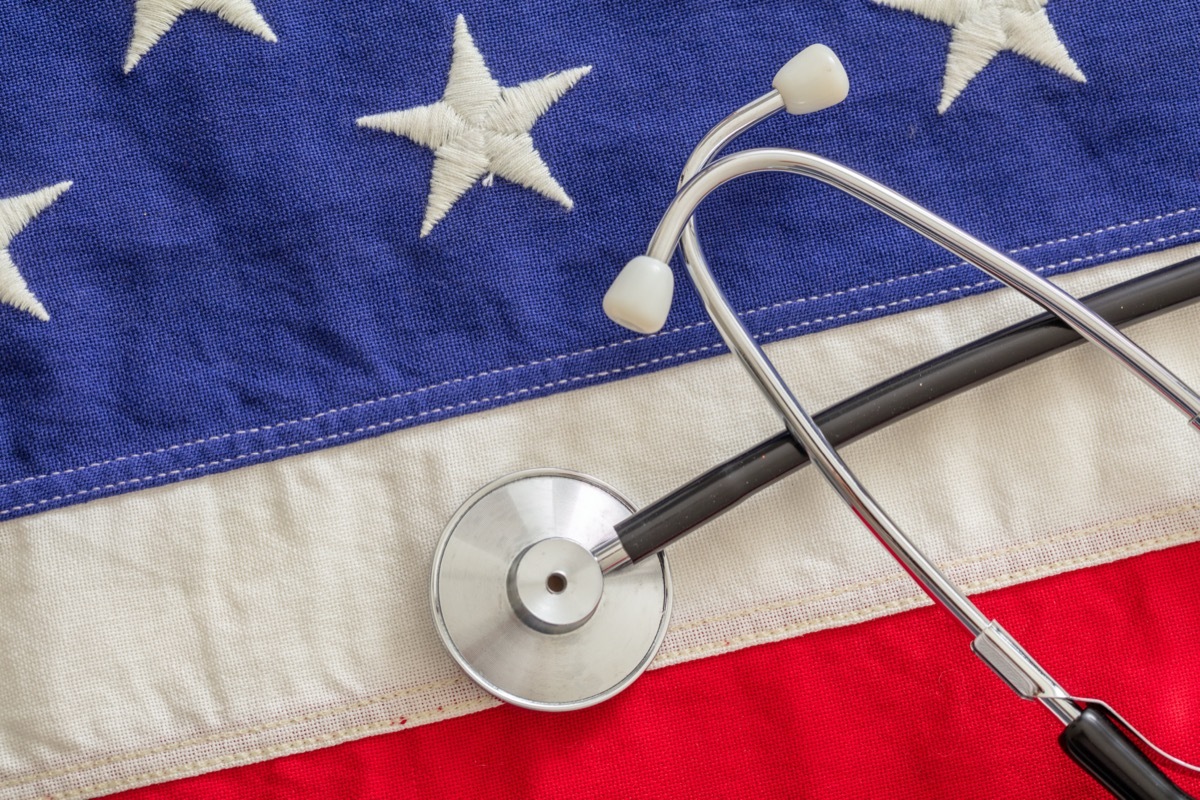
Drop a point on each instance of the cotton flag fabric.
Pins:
(283, 283)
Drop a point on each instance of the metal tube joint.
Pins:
(1009, 660)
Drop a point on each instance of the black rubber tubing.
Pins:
(721, 488)
(1095, 743)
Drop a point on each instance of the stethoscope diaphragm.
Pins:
(521, 605)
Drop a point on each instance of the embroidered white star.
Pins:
(153, 18)
(984, 28)
(15, 214)
(480, 129)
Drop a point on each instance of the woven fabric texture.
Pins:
(284, 606)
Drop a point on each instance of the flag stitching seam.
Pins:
(526, 390)
(1128, 522)
(892, 577)
(345, 734)
(917, 600)
(278, 749)
(817, 321)
(609, 346)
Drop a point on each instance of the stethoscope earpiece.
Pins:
(813, 80)
(640, 297)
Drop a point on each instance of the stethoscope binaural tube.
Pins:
(640, 298)
(1092, 327)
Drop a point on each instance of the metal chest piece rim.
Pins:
(521, 605)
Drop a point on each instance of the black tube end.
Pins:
(1095, 743)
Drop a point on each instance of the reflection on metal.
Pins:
(521, 605)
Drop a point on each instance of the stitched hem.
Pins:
(513, 383)
(416, 718)
(718, 644)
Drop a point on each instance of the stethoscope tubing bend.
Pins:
(1093, 328)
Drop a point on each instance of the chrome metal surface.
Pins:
(726, 131)
(678, 225)
(511, 538)
(1009, 660)
(555, 585)
(1018, 669)
(610, 554)
(1092, 327)
(1063, 708)
(674, 225)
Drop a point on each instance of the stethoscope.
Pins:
(545, 586)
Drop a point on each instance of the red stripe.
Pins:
(894, 708)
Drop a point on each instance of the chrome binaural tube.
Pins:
(672, 228)
(677, 226)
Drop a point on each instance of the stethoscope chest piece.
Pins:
(520, 602)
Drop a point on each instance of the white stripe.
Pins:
(282, 607)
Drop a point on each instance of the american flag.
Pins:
(284, 282)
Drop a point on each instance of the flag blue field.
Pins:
(237, 274)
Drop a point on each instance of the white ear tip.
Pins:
(813, 80)
(640, 298)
